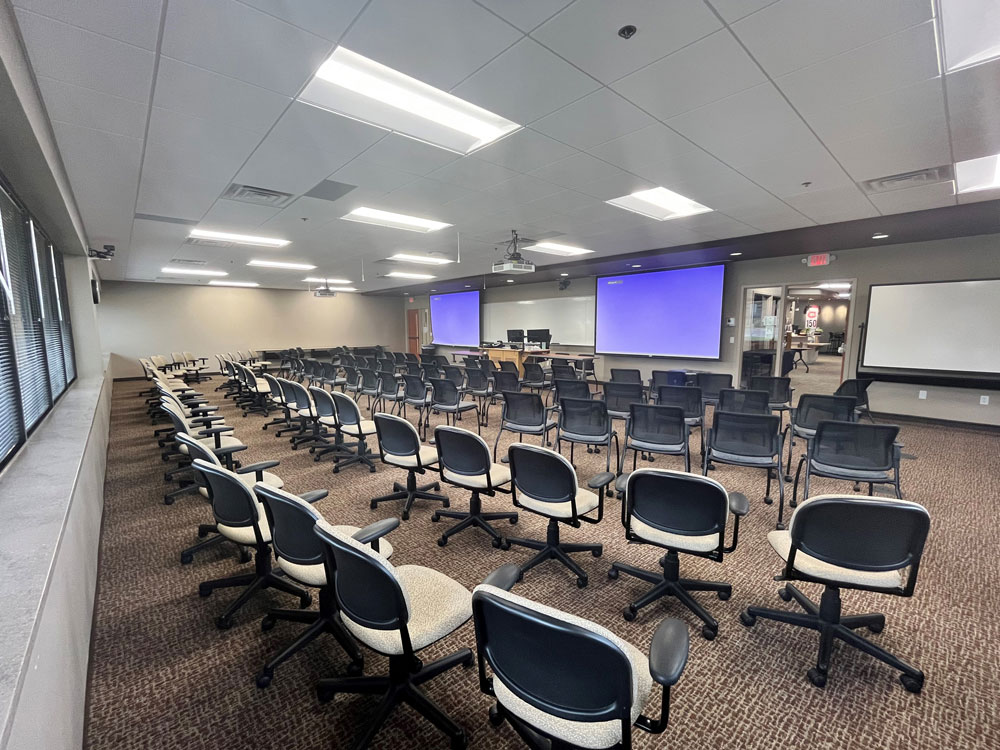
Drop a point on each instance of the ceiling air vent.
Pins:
(908, 180)
(257, 196)
(202, 242)
(187, 262)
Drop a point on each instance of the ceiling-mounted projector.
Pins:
(324, 293)
(513, 261)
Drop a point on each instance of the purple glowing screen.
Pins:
(661, 313)
(455, 318)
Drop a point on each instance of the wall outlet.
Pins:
(732, 339)
(984, 400)
(922, 394)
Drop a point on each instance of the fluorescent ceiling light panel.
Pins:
(970, 31)
(408, 275)
(660, 204)
(421, 259)
(314, 280)
(352, 85)
(281, 264)
(215, 282)
(978, 174)
(554, 248)
(396, 221)
(239, 239)
(835, 285)
(190, 272)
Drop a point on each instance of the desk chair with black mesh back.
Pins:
(779, 390)
(298, 553)
(511, 367)
(430, 372)
(412, 368)
(812, 409)
(625, 375)
(480, 387)
(417, 394)
(241, 518)
(688, 398)
(369, 386)
(564, 371)
(390, 391)
(396, 612)
(545, 483)
(399, 446)
(535, 379)
(864, 543)
(457, 376)
(426, 359)
(525, 414)
(583, 421)
(681, 513)
(744, 402)
(853, 452)
(398, 362)
(654, 430)
(567, 375)
(569, 389)
(858, 390)
(352, 381)
(447, 399)
(751, 440)
(411, 358)
(711, 383)
(562, 681)
(331, 376)
(505, 382)
(440, 360)
(351, 424)
(464, 461)
(666, 377)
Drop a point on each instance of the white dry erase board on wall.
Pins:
(570, 319)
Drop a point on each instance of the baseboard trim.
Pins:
(936, 422)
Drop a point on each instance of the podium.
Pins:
(517, 356)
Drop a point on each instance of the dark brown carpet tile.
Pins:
(164, 677)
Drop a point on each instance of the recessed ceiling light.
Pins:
(978, 174)
(636, 265)
(314, 280)
(735, 255)
(969, 31)
(215, 282)
(844, 295)
(409, 275)
(564, 274)
(191, 272)
(554, 248)
(510, 281)
(353, 85)
(468, 286)
(281, 264)
(340, 288)
(239, 239)
(660, 204)
(880, 236)
(396, 221)
(433, 290)
(835, 285)
(428, 259)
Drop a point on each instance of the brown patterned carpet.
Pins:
(164, 677)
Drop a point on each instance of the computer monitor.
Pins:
(515, 335)
(539, 335)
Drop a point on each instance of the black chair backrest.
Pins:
(541, 474)
(287, 392)
(476, 379)
(427, 359)
(472, 363)
(430, 372)
(369, 379)
(351, 376)
(779, 390)
(853, 445)
(440, 360)
(584, 416)
(490, 367)
(523, 408)
(322, 402)
(857, 389)
(745, 402)
(563, 372)
(662, 425)
(291, 521)
(387, 383)
(677, 502)
(813, 408)
(462, 452)
(561, 361)
(347, 410)
(445, 392)
(198, 450)
(455, 375)
(687, 397)
(753, 435)
(619, 375)
(411, 357)
(413, 368)
(571, 388)
(619, 396)
(416, 390)
(533, 372)
(233, 503)
(396, 436)
(712, 382)
(509, 367)
(329, 371)
(861, 533)
(504, 381)
(399, 358)
(274, 385)
(664, 377)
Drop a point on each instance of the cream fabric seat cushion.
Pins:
(315, 575)
(705, 543)
(499, 475)
(225, 441)
(428, 457)
(367, 428)
(586, 501)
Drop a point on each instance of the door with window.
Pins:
(413, 331)
(762, 329)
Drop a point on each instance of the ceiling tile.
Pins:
(83, 58)
(575, 170)
(92, 109)
(320, 17)
(693, 171)
(708, 70)
(834, 204)
(978, 196)
(786, 175)
(525, 14)
(566, 201)
(915, 199)
(598, 117)
(792, 34)
(317, 214)
(734, 10)
(524, 150)
(409, 155)
(176, 194)
(463, 36)
(614, 186)
(423, 196)
(919, 145)
(135, 23)
(470, 206)
(651, 144)
(472, 174)
(377, 177)
(522, 188)
(236, 214)
(586, 33)
(974, 107)
(525, 82)
(776, 220)
(266, 52)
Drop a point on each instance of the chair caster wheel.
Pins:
(442, 541)
(748, 619)
(513, 521)
(167, 500)
(294, 447)
(496, 719)
(325, 695)
(912, 684)
(768, 500)
(597, 552)
(470, 661)
(435, 517)
(223, 623)
(204, 591)
(724, 595)
(267, 623)
(629, 613)
(405, 516)
(785, 594)
(371, 469)
(245, 556)
(316, 459)
(780, 526)
(876, 627)
(264, 679)
(437, 486)
(459, 742)
(581, 583)
(590, 450)
(788, 477)
(355, 668)
(186, 558)
(336, 469)
(373, 505)
(611, 494)
(709, 633)
(613, 575)
(305, 600)
(816, 677)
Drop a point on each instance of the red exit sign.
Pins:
(819, 259)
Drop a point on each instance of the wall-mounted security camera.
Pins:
(564, 284)
(627, 32)
(107, 253)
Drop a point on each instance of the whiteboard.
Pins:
(569, 319)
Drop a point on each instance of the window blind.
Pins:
(49, 309)
(11, 432)
(66, 327)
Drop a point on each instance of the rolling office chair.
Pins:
(326, 419)
(525, 414)
(858, 390)
(853, 452)
(480, 387)
(812, 409)
(390, 391)
(207, 431)
(750, 440)
(447, 399)
(399, 445)
(744, 402)
(654, 430)
(417, 394)
(464, 462)
(369, 386)
(311, 430)
(277, 400)
(298, 553)
(396, 612)
(711, 383)
(544, 482)
(290, 408)
(586, 422)
(331, 377)
(679, 512)
(779, 390)
(411, 357)
(352, 381)
(848, 543)
(350, 423)
(688, 398)
(562, 681)
(241, 518)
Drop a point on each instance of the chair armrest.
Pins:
(376, 530)
(207, 420)
(668, 652)
(600, 480)
(257, 468)
(216, 430)
(503, 577)
(738, 504)
(313, 495)
(201, 411)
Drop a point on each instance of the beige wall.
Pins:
(137, 319)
